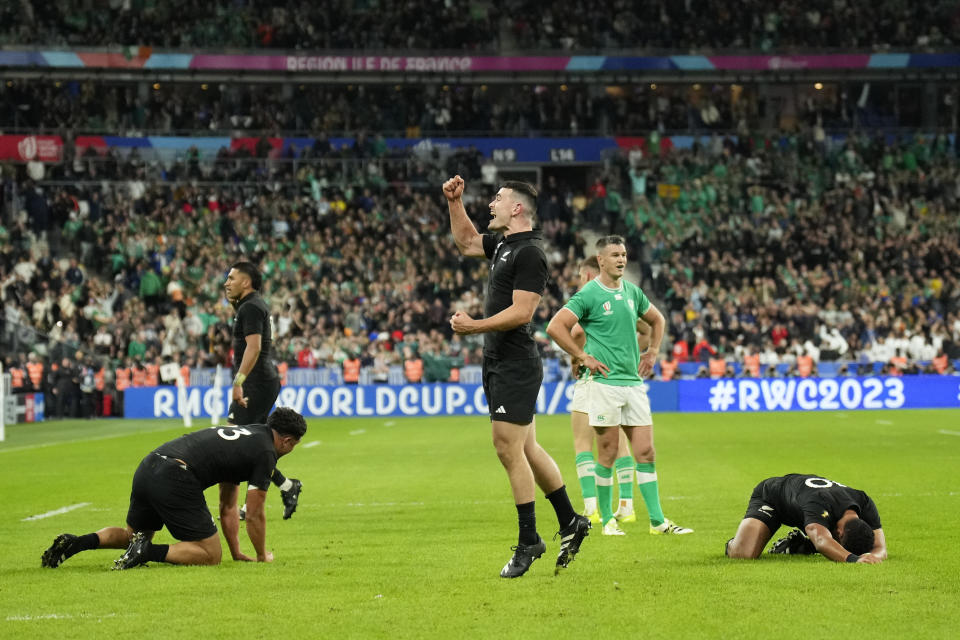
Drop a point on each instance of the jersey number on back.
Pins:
(234, 433)
(821, 483)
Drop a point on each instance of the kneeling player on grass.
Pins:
(168, 491)
(839, 522)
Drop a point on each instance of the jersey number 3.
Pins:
(232, 433)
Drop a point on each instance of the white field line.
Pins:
(431, 503)
(28, 447)
(947, 432)
(927, 494)
(357, 432)
(311, 444)
(887, 422)
(56, 616)
(56, 512)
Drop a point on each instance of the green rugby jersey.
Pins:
(609, 318)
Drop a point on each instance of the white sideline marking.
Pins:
(926, 494)
(357, 432)
(56, 512)
(311, 444)
(884, 422)
(389, 423)
(28, 447)
(949, 433)
(388, 504)
(55, 616)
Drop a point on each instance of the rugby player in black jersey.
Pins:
(512, 370)
(256, 382)
(835, 520)
(168, 492)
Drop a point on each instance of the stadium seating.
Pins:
(839, 244)
(497, 25)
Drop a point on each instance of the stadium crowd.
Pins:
(393, 110)
(761, 252)
(412, 111)
(497, 25)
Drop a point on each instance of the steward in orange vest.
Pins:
(718, 367)
(16, 378)
(139, 376)
(940, 363)
(123, 378)
(668, 368)
(804, 365)
(413, 369)
(151, 374)
(751, 362)
(35, 373)
(351, 370)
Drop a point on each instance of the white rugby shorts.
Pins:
(612, 406)
(581, 396)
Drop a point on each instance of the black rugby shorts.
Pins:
(261, 396)
(512, 387)
(164, 493)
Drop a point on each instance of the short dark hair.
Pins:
(528, 191)
(590, 262)
(857, 536)
(606, 241)
(287, 422)
(250, 269)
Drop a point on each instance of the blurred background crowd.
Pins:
(483, 25)
(773, 246)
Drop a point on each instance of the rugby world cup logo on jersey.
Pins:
(607, 308)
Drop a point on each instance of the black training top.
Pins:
(517, 262)
(253, 316)
(226, 454)
(802, 499)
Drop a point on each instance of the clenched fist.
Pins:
(453, 188)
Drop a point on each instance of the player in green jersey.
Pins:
(608, 309)
(584, 435)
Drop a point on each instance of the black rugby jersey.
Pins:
(226, 454)
(252, 317)
(517, 261)
(802, 499)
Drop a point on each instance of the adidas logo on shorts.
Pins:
(500, 409)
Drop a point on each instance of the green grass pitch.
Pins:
(404, 524)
